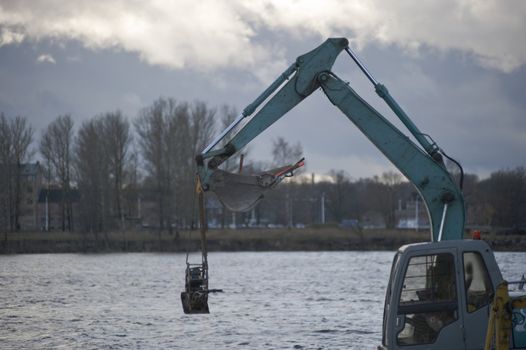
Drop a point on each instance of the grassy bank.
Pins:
(309, 239)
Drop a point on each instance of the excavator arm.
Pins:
(422, 165)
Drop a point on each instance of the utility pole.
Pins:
(47, 195)
(139, 215)
(47, 210)
(288, 208)
(323, 208)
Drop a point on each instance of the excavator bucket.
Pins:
(240, 192)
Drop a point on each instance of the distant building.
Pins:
(31, 176)
(148, 209)
(28, 186)
(412, 213)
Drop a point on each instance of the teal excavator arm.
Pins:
(422, 165)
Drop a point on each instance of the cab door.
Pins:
(428, 314)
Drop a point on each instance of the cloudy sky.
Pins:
(456, 66)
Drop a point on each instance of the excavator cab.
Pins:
(439, 295)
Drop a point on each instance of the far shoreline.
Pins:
(232, 240)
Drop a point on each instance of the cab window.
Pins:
(476, 282)
(428, 300)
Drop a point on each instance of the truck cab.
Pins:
(439, 295)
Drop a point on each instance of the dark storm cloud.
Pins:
(461, 78)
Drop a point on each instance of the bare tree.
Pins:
(5, 174)
(22, 137)
(150, 126)
(202, 125)
(132, 186)
(285, 153)
(153, 128)
(56, 148)
(170, 134)
(195, 125)
(101, 160)
(92, 175)
(16, 136)
(117, 138)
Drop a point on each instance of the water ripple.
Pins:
(121, 301)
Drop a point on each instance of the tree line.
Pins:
(498, 201)
(111, 162)
(115, 164)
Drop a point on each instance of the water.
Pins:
(275, 300)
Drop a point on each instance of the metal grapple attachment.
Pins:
(195, 296)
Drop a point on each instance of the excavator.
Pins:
(445, 293)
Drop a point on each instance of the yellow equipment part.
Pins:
(500, 318)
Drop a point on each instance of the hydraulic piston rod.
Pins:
(252, 107)
(431, 148)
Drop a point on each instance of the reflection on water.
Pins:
(322, 300)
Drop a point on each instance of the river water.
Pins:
(274, 300)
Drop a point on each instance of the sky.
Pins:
(457, 67)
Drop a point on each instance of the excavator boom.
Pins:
(422, 165)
